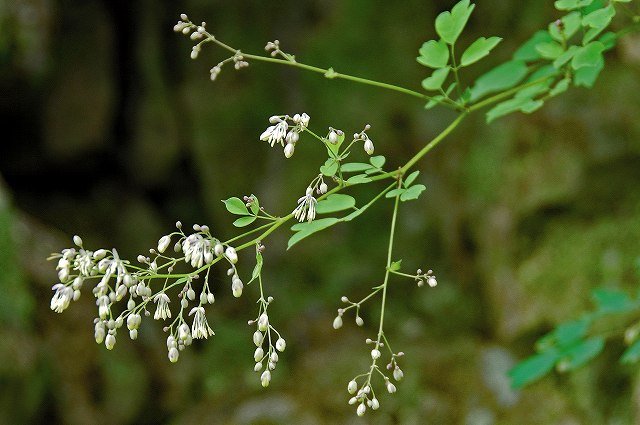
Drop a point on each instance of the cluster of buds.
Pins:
(428, 277)
(273, 47)
(337, 322)
(266, 361)
(362, 136)
(364, 395)
(334, 135)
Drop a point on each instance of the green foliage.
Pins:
(574, 343)
(449, 25)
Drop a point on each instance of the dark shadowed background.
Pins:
(111, 132)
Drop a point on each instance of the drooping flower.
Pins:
(61, 299)
(200, 327)
(162, 310)
(275, 133)
(194, 247)
(306, 208)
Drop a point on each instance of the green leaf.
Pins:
(565, 57)
(394, 192)
(571, 4)
(236, 206)
(352, 167)
(412, 193)
(500, 78)
(435, 100)
(329, 168)
(434, 54)
(377, 161)
(631, 354)
(533, 368)
(436, 80)
(599, 18)
(523, 104)
(478, 50)
(395, 266)
(306, 229)
(550, 50)
(561, 87)
(255, 205)
(571, 23)
(335, 202)
(449, 25)
(244, 221)
(581, 353)
(527, 52)
(569, 332)
(589, 55)
(334, 148)
(258, 267)
(358, 179)
(586, 77)
(410, 178)
(612, 301)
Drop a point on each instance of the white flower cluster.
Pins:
(365, 396)
(266, 361)
(285, 133)
(428, 277)
(116, 279)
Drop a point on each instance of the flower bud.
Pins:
(173, 354)
(337, 322)
(397, 373)
(77, 240)
(258, 354)
(352, 387)
(163, 243)
(375, 404)
(218, 249)
(263, 322)
(333, 137)
(362, 408)
(375, 354)
(236, 288)
(391, 388)
(257, 367)
(265, 378)
(258, 338)
(368, 147)
(281, 344)
(231, 254)
(359, 321)
(432, 282)
(211, 298)
(288, 150)
(133, 334)
(323, 188)
(110, 341)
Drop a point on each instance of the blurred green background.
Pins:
(111, 132)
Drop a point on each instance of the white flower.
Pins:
(200, 327)
(304, 120)
(194, 247)
(162, 311)
(275, 133)
(61, 299)
(306, 207)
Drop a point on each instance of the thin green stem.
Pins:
(328, 73)
(389, 255)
